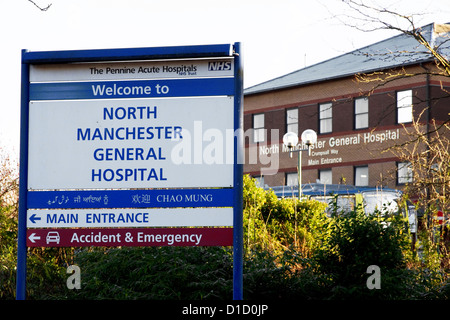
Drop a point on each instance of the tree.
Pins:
(427, 151)
(369, 18)
(9, 180)
(433, 46)
(8, 223)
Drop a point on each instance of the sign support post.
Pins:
(23, 174)
(115, 152)
(238, 238)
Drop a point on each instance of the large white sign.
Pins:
(131, 147)
(162, 129)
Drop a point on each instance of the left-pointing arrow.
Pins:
(33, 218)
(33, 237)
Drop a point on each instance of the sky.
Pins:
(277, 37)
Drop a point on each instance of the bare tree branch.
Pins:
(370, 18)
(39, 7)
(428, 152)
(427, 145)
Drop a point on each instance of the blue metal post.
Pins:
(238, 223)
(21, 274)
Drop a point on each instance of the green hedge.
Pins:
(292, 251)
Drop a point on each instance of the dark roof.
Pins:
(396, 51)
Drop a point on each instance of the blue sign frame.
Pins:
(39, 199)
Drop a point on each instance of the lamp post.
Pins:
(290, 140)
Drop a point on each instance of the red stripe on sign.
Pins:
(131, 237)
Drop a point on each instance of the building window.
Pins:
(325, 176)
(361, 176)
(292, 179)
(292, 120)
(404, 172)
(404, 106)
(325, 118)
(258, 127)
(361, 113)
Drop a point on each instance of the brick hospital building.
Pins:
(355, 121)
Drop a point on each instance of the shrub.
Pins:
(45, 266)
(292, 251)
(154, 273)
(8, 252)
(277, 224)
(357, 241)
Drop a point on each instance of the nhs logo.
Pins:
(219, 66)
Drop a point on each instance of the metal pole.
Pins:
(21, 273)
